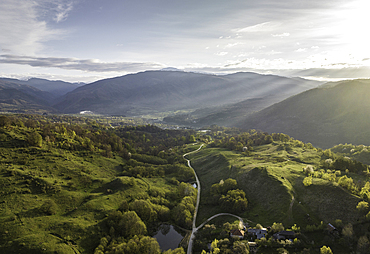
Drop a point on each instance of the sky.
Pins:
(88, 40)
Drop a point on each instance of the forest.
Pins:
(73, 185)
(81, 185)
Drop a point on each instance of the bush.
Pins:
(49, 207)
(34, 139)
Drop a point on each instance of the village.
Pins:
(273, 236)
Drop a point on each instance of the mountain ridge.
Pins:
(324, 116)
(154, 91)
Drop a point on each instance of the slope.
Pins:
(68, 192)
(154, 91)
(55, 87)
(325, 116)
(24, 99)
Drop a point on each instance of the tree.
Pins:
(367, 216)
(363, 244)
(362, 207)
(347, 232)
(175, 251)
(214, 247)
(307, 181)
(34, 139)
(192, 139)
(138, 245)
(4, 121)
(144, 210)
(126, 224)
(234, 200)
(325, 250)
(240, 248)
(277, 227)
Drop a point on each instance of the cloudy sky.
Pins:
(87, 40)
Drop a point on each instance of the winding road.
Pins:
(194, 228)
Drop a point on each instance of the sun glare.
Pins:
(354, 28)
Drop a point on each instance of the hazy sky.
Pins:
(86, 40)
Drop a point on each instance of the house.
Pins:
(237, 233)
(284, 235)
(259, 233)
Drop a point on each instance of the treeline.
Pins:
(140, 169)
(332, 160)
(360, 153)
(245, 141)
(70, 134)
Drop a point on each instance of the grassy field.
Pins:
(57, 200)
(59, 206)
(271, 178)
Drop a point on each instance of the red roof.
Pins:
(237, 232)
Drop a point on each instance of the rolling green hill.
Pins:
(84, 188)
(271, 172)
(72, 185)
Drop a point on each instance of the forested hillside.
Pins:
(325, 116)
(162, 91)
(71, 185)
(74, 185)
(273, 179)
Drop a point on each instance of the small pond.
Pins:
(168, 237)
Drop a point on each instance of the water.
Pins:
(168, 237)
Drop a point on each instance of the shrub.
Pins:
(49, 207)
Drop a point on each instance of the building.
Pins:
(237, 233)
(284, 235)
(258, 233)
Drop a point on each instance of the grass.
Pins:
(271, 178)
(54, 200)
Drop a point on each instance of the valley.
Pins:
(266, 153)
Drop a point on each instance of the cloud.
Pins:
(266, 26)
(222, 53)
(63, 10)
(230, 45)
(24, 26)
(281, 35)
(301, 50)
(88, 65)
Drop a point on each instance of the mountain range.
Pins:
(158, 91)
(323, 114)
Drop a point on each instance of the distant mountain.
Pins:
(19, 98)
(158, 91)
(325, 116)
(226, 115)
(56, 88)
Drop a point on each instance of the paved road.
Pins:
(194, 228)
(192, 236)
(241, 222)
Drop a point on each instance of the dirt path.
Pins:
(290, 210)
